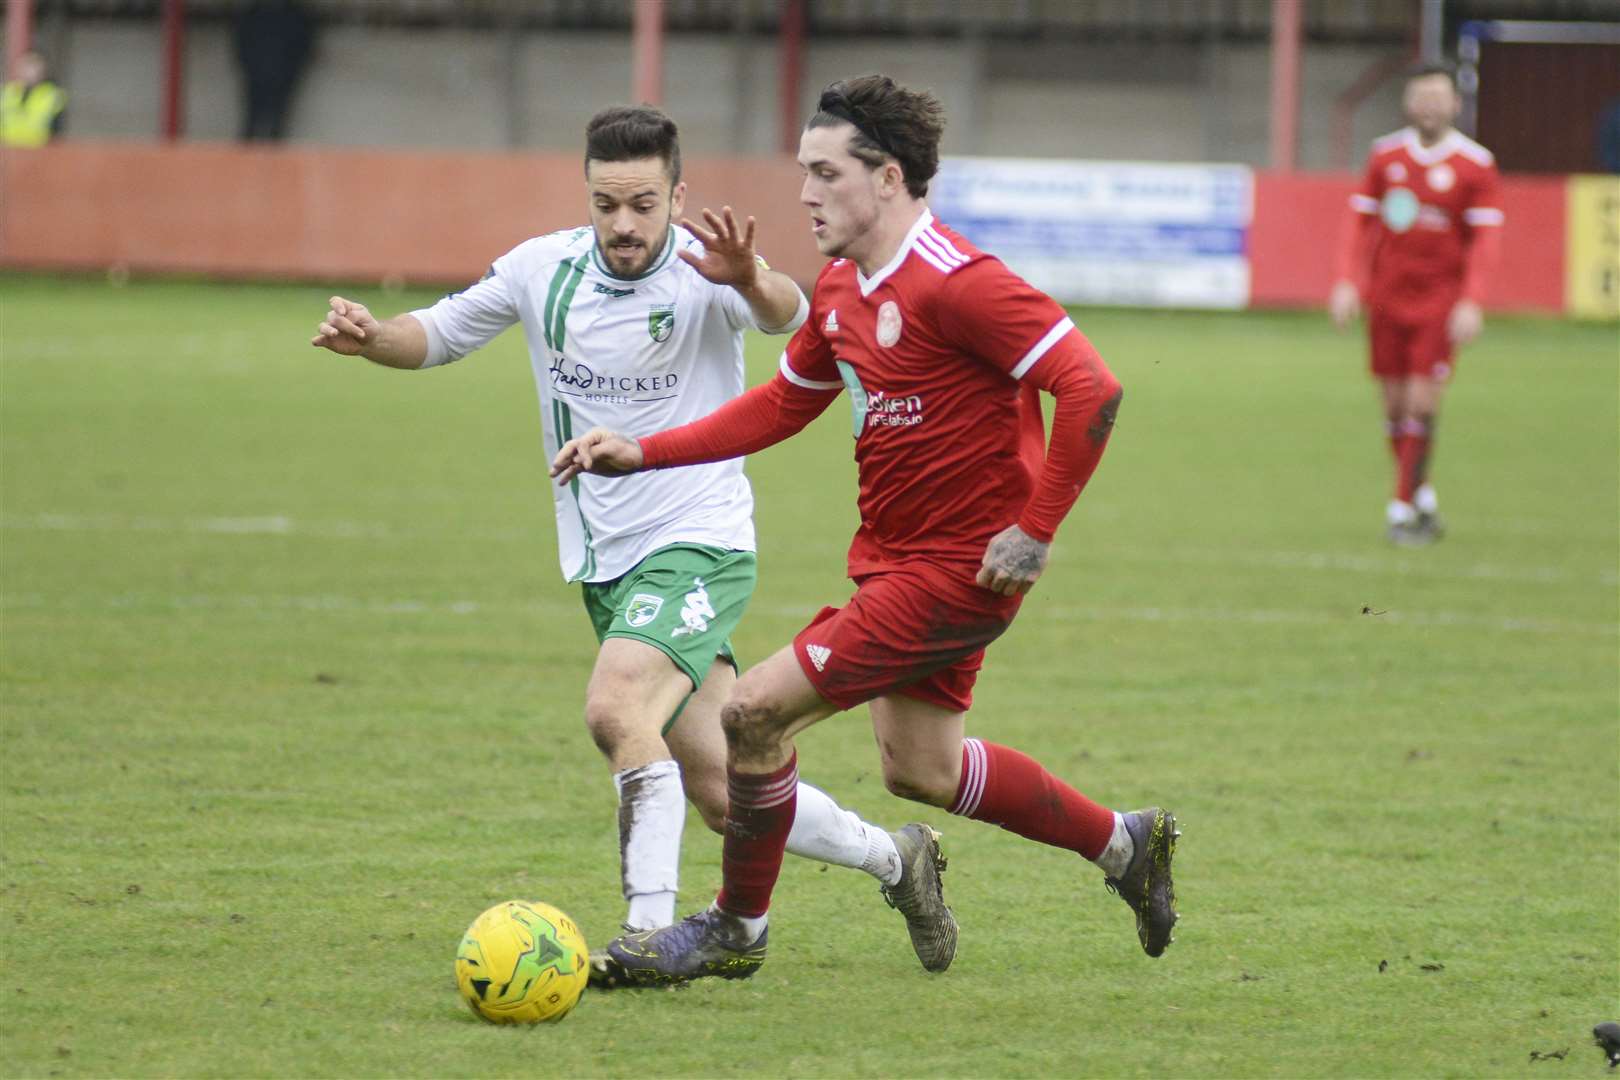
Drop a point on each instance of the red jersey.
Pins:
(932, 349)
(1428, 202)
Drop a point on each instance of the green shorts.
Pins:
(684, 600)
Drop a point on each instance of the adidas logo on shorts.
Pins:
(819, 655)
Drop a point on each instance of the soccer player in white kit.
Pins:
(636, 323)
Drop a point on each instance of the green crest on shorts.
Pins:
(643, 609)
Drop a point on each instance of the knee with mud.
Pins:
(909, 781)
(754, 729)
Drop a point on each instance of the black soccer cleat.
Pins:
(1607, 1036)
(1145, 885)
(920, 897)
(711, 942)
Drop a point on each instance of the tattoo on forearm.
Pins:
(1103, 422)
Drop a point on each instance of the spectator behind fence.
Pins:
(273, 43)
(32, 107)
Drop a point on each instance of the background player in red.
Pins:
(1419, 241)
(942, 350)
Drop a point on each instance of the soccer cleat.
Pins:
(920, 897)
(1408, 534)
(1430, 526)
(606, 974)
(1146, 884)
(711, 942)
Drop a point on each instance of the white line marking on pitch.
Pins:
(1332, 562)
(337, 604)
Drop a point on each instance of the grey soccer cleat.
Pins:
(1430, 527)
(1146, 884)
(711, 942)
(920, 897)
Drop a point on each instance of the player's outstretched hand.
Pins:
(347, 329)
(1465, 322)
(1344, 303)
(728, 249)
(598, 451)
(1013, 562)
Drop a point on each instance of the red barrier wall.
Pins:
(1296, 225)
(441, 218)
(338, 214)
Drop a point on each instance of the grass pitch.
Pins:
(291, 691)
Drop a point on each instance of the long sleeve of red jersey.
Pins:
(1484, 251)
(1087, 396)
(1352, 254)
(748, 423)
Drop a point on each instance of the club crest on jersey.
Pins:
(888, 324)
(661, 322)
(1399, 209)
(1441, 177)
(643, 609)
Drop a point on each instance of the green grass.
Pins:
(292, 690)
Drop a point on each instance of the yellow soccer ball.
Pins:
(522, 962)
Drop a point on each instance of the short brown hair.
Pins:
(1432, 67)
(633, 132)
(890, 121)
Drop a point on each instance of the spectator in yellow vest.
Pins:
(31, 106)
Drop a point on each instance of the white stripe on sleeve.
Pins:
(437, 352)
(799, 380)
(1363, 204)
(1053, 336)
(1483, 215)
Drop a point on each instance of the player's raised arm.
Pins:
(349, 329)
(729, 259)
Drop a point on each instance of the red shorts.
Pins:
(919, 629)
(1409, 349)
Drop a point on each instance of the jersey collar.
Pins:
(867, 284)
(1430, 155)
(664, 257)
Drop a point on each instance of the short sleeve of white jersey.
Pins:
(470, 319)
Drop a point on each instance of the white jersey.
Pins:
(635, 355)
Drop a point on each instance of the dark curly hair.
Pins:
(890, 121)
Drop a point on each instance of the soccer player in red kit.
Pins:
(943, 351)
(1419, 241)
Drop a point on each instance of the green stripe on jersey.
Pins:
(559, 331)
(564, 268)
(565, 431)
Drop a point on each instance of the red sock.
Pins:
(1413, 457)
(1006, 788)
(759, 816)
(1392, 429)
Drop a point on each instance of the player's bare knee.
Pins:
(918, 784)
(608, 723)
(752, 726)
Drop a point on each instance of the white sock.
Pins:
(652, 813)
(1116, 857)
(753, 925)
(824, 831)
(1399, 513)
(1425, 499)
